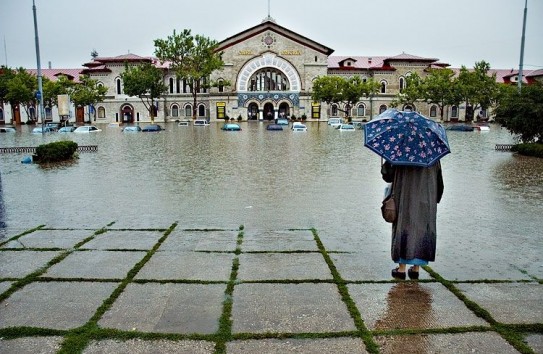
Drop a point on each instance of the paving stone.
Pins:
(56, 305)
(411, 305)
(139, 346)
(18, 264)
(512, 303)
(5, 285)
(455, 268)
(461, 343)
(181, 240)
(535, 341)
(30, 345)
(370, 266)
(188, 266)
(95, 265)
(124, 240)
(50, 239)
(167, 308)
(279, 241)
(305, 346)
(275, 266)
(289, 308)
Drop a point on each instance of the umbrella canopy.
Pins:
(406, 138)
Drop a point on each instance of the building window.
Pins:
(32, 113)
(334, 110)
(171, 84)
(177, 86)
(201, 110)
(402, 84)
(188, 110)
(221, 86)
(382, 108)
(433, 111)
(383, 87)
(454, 112)
(361, 110)
(48, 113)
(101, 112)
(269, 79)
(175, 110)
(118, 84)
(1, 114)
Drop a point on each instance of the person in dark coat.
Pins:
(417, 191)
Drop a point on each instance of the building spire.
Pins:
(268, 18)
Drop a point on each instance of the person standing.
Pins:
(417, 191)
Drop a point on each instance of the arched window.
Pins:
(201, 110)
(269, 79)
(334, 110)
(433, 111)
(454, 112)
(382, 108)
(221, 85)
(361, 110)
(118, 85)
(188, 110)
(383, 86)
(177, 86)
(48, 113)
(101, 112)
(171, 84)
(402, 84)
(175, 110)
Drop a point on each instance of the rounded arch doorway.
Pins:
(127, 112)
(252, 111)
(269, 111)
(284, 110)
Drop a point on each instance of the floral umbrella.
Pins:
(406, 138)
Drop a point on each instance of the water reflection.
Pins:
(2, 211)
(205, 177)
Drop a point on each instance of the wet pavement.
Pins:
(170, 289)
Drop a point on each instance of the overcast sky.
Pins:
(458, 32)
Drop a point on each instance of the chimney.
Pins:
(49, 64)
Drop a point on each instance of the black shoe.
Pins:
(412, 274)
(397, 274)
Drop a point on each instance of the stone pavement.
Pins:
(175, 290)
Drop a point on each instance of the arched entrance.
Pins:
(127, 114)
(269, 111)
(284, 110)
(252, 111)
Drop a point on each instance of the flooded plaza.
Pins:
(203, 177)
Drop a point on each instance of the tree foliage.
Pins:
(192, 58)
(145, 81)
(477, 88)
(522, 113)
(342, 91)
(439, 88)
(21, 89)
(412, 92)
(87, 92)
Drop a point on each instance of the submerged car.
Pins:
(231, 127)
(152, 128)
(346, 127)
(7, 130)
(132, 129)
(274, 127)
(87, 129)
(40, 130)
(201, 123)
(281, 121)
(66, 129)
(299, 127)
(335, 122)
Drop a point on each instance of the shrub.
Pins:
(535, 149)
(57, 151)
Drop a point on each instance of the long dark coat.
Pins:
(417, 191)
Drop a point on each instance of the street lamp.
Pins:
(39, 94)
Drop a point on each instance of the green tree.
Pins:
(412, 92)
(145, 81)
(6, 74)
(87, 92)
(342, 91)
(51, 89)
(477, 88)
(439, 88)
(21, 89)
(192, 58)
(522, 113)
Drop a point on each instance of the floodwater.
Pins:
(204, 177)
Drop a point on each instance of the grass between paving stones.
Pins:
(16, 237)
(508, 332)
(76, 340)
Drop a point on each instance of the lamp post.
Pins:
(39, 94)
(521, 64)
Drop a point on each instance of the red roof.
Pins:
(53, 74)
